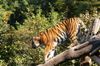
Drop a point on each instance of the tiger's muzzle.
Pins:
(33, 45)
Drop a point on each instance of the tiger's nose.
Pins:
(33, 46)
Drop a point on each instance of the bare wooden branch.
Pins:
(85, 61)
(75, 52)
(94, 29)
(95, 26)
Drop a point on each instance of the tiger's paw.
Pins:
(72, 45)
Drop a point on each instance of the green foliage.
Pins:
(22, 19)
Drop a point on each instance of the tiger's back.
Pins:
(66, 29)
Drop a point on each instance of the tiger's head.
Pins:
(35, 42)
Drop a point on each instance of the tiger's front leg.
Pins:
(49, 52)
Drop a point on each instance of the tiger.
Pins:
(50, 38)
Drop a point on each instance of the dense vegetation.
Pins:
(22, 19)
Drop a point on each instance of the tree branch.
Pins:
(75, 52)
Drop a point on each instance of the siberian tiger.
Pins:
(67, 29)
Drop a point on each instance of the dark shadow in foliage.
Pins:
(33, 64)
(16, 17)
(75, 8)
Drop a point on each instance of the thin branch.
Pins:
(96, 59)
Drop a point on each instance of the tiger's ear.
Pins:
(41, 33)
(36, 38)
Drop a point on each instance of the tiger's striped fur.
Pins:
(67, 29)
